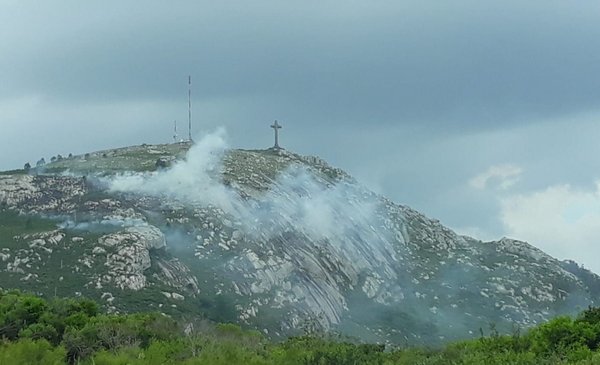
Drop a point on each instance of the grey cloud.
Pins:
(468, 65)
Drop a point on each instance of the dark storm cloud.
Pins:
(468, 64)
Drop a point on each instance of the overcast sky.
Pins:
(483, 114)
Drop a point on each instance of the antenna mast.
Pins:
(175, 134)
(190, 108)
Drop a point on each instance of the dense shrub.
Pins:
(29, 352)
(67, 331)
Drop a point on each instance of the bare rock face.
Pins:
(174, 273)
(129, 255)
(15, 189)
(40, 194)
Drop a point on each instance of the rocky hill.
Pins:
(269, 239)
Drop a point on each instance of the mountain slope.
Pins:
(267, 238)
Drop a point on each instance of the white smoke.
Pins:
(105, 223)
(298, 198)
(194, 180)
(321, 211)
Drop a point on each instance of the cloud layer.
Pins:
(504, 176)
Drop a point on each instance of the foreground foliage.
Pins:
(69, 331)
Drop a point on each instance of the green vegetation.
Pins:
(13, 172)
(72, 331)
(13, 224)
(135, 158)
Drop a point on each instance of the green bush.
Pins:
(113, 332)
(67, 331)
(561, 335)
(29, 352)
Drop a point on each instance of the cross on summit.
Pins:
(276, 127)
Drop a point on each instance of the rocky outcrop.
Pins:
(41, 194)
(128, 255)
(15, 189)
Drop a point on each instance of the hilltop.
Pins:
(268, 239)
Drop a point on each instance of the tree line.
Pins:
(74, 331)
